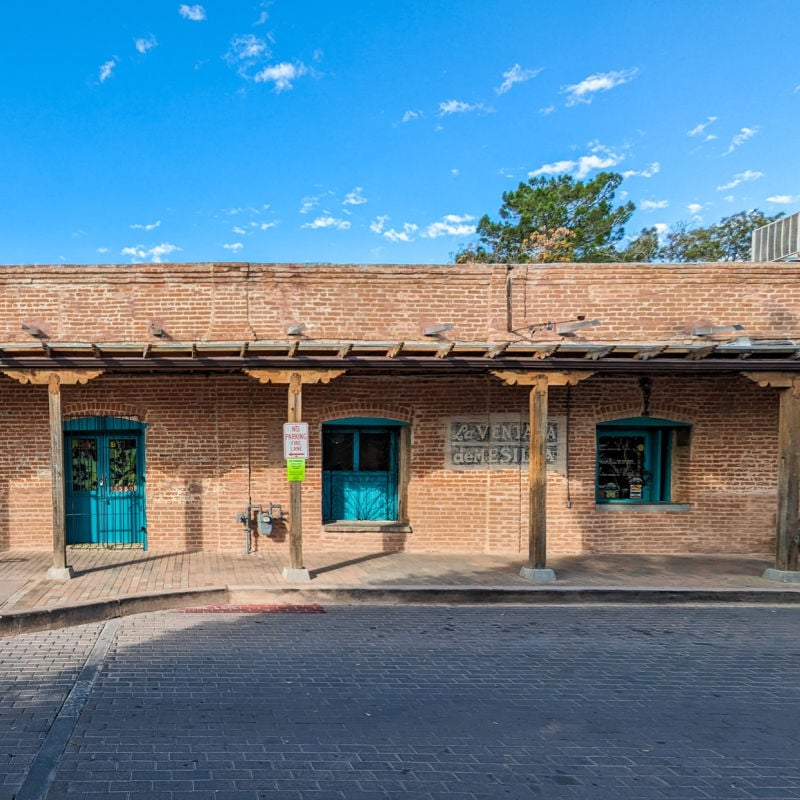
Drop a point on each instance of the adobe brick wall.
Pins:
(213, 442)
(233, 302)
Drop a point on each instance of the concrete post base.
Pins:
(301, 574)
(782, 575)
(538, 575)
(60, 573)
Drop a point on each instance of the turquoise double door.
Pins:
(104, 482)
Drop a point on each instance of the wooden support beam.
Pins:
(394, 350)
(568, 377)
(445, 350)
(649, 352)
(598, 353)
(295, 414)
(54, 380)
(496, 350)
(285, 375)
(60, 570)
(295, 378)
(788, 518)
(537, 480)
(41, 377)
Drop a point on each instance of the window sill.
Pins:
(670, 508)
(366, 526)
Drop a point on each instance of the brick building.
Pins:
(615, 408)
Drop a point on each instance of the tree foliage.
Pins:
(728, 240)
(560, 219)
(553, 219)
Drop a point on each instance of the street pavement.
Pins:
(359, 702)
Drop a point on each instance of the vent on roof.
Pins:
(778, 241)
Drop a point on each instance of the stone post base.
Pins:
(782, 575)
(538, 575)
(60, 573)
(301, 574)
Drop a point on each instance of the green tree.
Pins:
(644, 248)
(728, 240)
(553, 219)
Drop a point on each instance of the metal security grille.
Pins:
(104, 482)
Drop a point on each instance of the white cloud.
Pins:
(516, 75)
(783, 199)
(307, 203)
(742, 177)
(246, 47)
(143, 45)
(653, 169)
(281, 75)
(584, 91)
(149, 227)
(379, 223)
(455, 171)
(406, 235)
(106, 69)
(601, 158)
(355, 198)
(740, 138)
(455, 107)
(103, 249)
(238, 231)
(547, 110)
(263, 226)
(411, 115)
(155, 254)
(262, 18)
(195, 13)
(652, 205)
(234, 247)
(694, 208)
(451, 225)
(556, 168)
(698, 129)
(328, 222)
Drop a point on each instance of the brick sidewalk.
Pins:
(102, 574)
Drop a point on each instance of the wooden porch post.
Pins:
(537, 476)
(295, 414)
(60, 570)
(295, 380)
(537, 569)
(788, 519)
(54, 380)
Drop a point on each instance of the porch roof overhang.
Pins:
(419, 357)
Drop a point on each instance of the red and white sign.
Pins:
(295, 440)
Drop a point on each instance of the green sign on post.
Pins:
(295, 469)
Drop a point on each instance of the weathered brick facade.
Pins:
(214, 438)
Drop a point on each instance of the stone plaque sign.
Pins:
(499, 441)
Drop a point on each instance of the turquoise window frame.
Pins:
(354, 482)
(656, 437)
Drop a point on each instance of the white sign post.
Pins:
(295, 440)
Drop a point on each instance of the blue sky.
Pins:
(377, 131)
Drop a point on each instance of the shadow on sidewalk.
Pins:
(116, 564)
(351, 562)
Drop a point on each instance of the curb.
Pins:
(43, 619)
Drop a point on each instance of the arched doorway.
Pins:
(104, 482)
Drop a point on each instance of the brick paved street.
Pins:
(433, 703)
